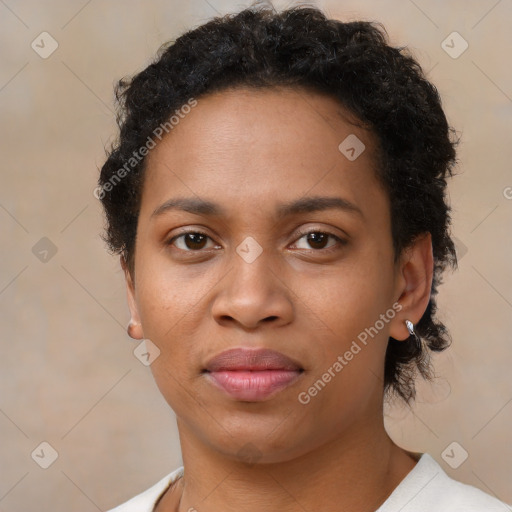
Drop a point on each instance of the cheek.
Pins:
(169, 309)
(350, 304)
(177, 332)
(169, 295)
(351, 298)
(348, 372)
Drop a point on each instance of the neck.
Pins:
(354, 471)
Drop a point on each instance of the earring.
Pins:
(410, 328)
(129, 330)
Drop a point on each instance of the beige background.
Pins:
(68, 374)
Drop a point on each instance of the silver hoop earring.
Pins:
(410, 328)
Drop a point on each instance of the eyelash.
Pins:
(341, 242)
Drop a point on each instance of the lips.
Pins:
(239, 359)
(252, 374)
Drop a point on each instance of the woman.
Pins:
(277, 197)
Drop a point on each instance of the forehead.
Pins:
(248, 146)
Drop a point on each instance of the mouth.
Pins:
(252, 375)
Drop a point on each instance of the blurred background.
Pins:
(68, 375)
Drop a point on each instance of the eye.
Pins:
(317, 240)
(191, 241)
(195, 241)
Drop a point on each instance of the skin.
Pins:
(250, 151)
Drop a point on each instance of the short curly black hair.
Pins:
(383, 86)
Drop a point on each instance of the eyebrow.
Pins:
(302, 205)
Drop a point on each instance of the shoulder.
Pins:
(428, 487)
(455, 496)
(145, 501)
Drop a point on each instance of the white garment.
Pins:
(426, 488)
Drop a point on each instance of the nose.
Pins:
(253, 294)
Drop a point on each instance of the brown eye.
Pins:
(190, 241)
(318, 240)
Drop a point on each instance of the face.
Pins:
(280, 242)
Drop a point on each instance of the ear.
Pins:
(413, 284)
(134, 327)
